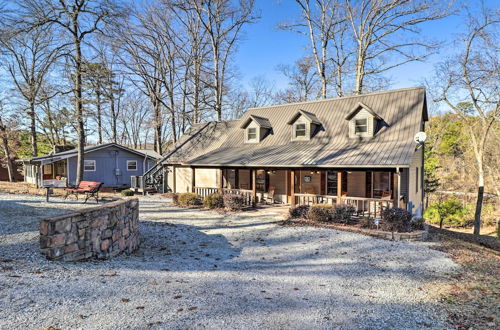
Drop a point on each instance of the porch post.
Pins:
(221, 180)
(339, 187)
(174, 179)
(397, 195)
(292, 187)
(193, 178)
(236, 179)
(254, 186)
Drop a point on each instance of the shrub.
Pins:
(174, 196)
(396, 219)
(189, 199)
(320, 212)
(417, 223)
(449, 212)
(234, 202)
(127, 192)
(367, 222)
(299, 211)
(342, 213)
(214, 201)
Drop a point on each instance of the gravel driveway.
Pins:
(200, 269)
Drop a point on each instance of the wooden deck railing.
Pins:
(205, 191)
(247, 194)
(309, 199)
(369, 207)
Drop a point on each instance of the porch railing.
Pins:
(205, 191)
(368, 207)
(247, 194)
(309, 199)
(248, 199)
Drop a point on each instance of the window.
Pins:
(360, 126)
(331, 183)
(89, 165)
(252, 134)
(131, 165)
(382, 185)
(300, 130)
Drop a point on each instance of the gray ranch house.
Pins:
(359, 150)
(110, 163)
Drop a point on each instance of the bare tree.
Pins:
(78, 20)
(30, 56)
(381, 30)
(324, 24)
(303, 79)
(223, 21)
(468, 84)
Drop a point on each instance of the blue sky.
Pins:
(264, 46)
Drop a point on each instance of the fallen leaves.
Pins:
(140, 307)
(109, 274)
(125, 300)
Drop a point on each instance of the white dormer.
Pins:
(303, 124)
(362, 121)
(256, 128)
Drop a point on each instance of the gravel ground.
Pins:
(201, 269)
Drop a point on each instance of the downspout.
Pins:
(399, 186)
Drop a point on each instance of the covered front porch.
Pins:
(54, 174)
(368, 190)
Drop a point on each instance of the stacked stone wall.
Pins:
(94, 233)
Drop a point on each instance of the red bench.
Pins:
(88, 188)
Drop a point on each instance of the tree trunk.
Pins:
(6, 150)
(360, 73)
(34, 138)
(113, 118)
(479, 203)
(99, 116)
(78, 103)
(157, 125)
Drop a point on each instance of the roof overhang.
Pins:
(260, 121)
(360, 106)
(307, 115)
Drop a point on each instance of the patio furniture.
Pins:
(270, 194)
(88, 188)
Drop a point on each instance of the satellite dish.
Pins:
(420, 137)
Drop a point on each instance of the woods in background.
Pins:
(141, 73)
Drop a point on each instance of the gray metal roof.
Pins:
(311, 117)
(261, 121)
(74, 152)
(222, 143)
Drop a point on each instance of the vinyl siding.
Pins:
(206, 177)
(416, 196)
(107, 160)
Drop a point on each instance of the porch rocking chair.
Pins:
(270, 194)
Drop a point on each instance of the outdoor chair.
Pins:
(270, 194)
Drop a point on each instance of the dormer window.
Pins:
(300, 130)
(362, 121)
(251, 134)
(304, 125)
(256, 128)
(361, 126)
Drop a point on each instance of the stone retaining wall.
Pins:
(99, 232)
